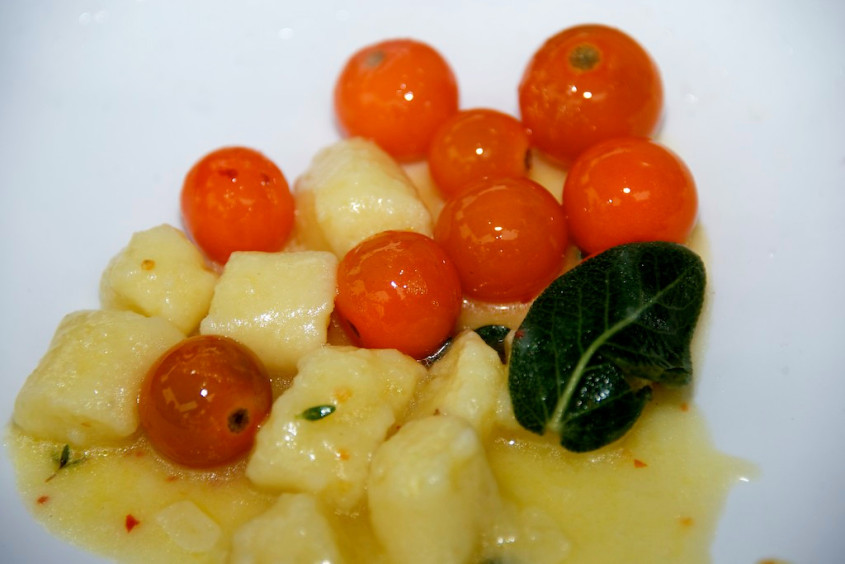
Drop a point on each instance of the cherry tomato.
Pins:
(396, 93)
(201, 403)
(507, 238)
(398, 290)
(627, 190)
(236, 199)
(477, 144)
(586, 84)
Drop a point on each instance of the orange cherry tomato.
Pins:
(477, 144)
(202, 402)
(236, 199)
(398, 290)
(396, 93)
(628, 190)
(586, 84)
(507, 238)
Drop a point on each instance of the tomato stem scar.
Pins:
(238, 420)
(584, 57)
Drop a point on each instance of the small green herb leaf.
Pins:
(63, 460)
(317, 412)
(64, 457)
(629, 312)
(494, 336)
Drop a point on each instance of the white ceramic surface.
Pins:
(104, 105)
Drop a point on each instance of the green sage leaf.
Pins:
(628, 313)
(604, 408)
(495, 336)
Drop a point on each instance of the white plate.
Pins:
(105, 105)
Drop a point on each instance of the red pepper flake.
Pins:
(686, 521)
(171, 478)
(148, 264)
(684, 406)
(639, 463)
(43, 499)
(131, 522)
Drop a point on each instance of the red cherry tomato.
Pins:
(202, 401)
(586, 84)
(627, 190)
(506, 237)
(477, 144)
(236, 199)
(396, 93)
(399, 290)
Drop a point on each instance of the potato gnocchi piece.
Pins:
(160, 273)
(189, 527)
(295, 530)
(84, 390)
(432, 493)
(277, 304)
(327, 451)
(353, 190)
(466, 383)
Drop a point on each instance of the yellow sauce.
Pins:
(654, 496)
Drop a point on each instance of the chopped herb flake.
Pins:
(317, 412)
(64, 460)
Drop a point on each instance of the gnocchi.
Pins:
(277, 304)
(160, 273)
(367, 392)
(85, 389)
(353, 190)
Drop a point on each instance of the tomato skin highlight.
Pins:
(396, 93)
(202, 401)
(236, 199)
(476, 144)
(586, 84)
(507, 238)
(629, 190)
(398, 290)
